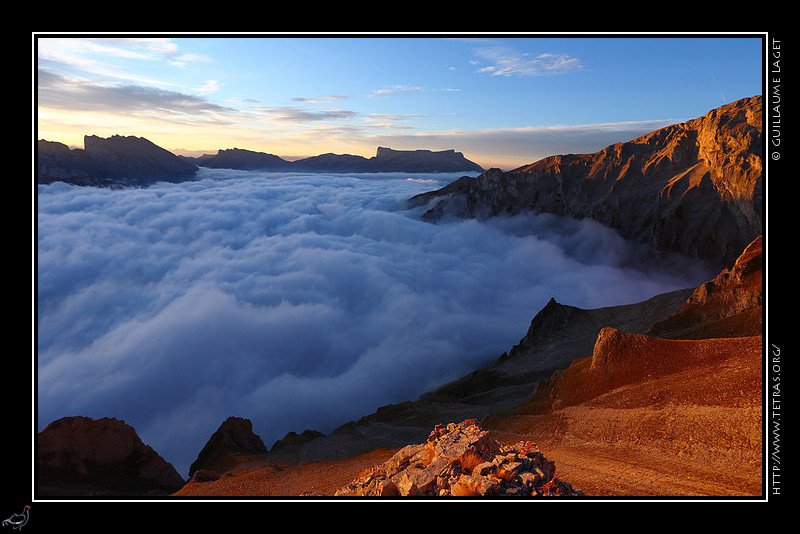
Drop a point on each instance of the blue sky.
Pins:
(502, 100)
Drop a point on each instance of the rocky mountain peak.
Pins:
(551, 322)
(234, 440)
(694, 188)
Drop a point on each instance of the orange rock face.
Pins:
(693, 188)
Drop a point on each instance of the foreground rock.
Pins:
(694, 188)
(462, 460)
(79, 456)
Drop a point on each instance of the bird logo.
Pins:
(17, 521)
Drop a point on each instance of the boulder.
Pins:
(79, 456)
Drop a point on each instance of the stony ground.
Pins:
(285, 480)
(696, 433)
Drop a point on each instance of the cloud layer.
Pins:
(297, 301)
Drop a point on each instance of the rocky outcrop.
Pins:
(114, 161)
(694, 188)
(233, 443)
(55, 162)
(462, 460)
(79, 456)
(718, 320)
(733, 299)
(385, 160)
(558, 334)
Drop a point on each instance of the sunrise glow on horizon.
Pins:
(502, 101)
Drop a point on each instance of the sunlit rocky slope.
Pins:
(693, 188)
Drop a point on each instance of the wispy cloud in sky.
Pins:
(59, 92)
(407, 89)
(509, 62)
(102, 56)
(373, 129)
(325, 99)
(299, 115)
(396, 90)
(211, 86)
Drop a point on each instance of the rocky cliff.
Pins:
(557, 334)
(729, 305)
(113, 161)
(693, 188)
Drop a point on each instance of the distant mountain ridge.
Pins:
(385, 160)
(120, 161)
(109, 162)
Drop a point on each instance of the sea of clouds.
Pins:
(298, 301)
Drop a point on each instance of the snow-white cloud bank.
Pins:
(297, 301)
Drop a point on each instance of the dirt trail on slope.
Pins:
(693, 433)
